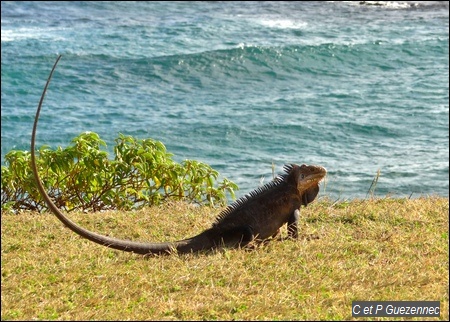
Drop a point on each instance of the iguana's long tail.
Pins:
(199, 242)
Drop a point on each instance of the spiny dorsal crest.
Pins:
(274, 184)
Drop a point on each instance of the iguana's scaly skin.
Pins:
(254, 217)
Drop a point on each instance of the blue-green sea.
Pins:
(356, 87)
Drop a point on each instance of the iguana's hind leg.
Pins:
(238, 237)
(293, 224)
(276, 234)
(247, 235)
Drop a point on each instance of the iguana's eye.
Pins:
(303, 176)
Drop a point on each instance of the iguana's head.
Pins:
(308, 175)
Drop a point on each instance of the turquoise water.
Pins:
(354, 86)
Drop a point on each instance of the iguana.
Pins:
(254, 217)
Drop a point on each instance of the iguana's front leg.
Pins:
(292, 224)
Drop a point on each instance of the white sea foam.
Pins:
(282, 23)
(384, 4)
(18, 34)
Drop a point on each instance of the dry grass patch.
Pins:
(382, 249)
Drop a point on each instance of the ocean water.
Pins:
(356, 87)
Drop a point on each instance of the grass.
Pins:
(375, 249)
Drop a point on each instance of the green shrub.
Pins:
(82, 177)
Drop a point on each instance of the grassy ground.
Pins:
(381, 249)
